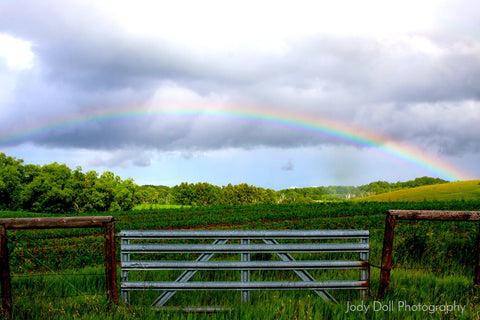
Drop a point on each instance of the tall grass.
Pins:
(60, 274)
(83, 297)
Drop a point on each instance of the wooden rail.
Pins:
(429, 215)
(105, 222)
(55, 222)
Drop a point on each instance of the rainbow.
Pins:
(307, 124)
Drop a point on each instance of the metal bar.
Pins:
(245, 265)
(250, 265)
(253, 248)
(195, 309)
(245, 274)
(364, 273)
(243, 234)
(304, 275)
(184, 277)
(252, 285)
(125, 258)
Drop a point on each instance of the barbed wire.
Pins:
(402, 268)
(55, 275)
(38, 296)
(52, 273)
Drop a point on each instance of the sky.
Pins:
(276, 94)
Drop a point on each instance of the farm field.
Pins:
(462, 190)
(58, 274)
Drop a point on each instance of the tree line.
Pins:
(349, 192)
(56, 188)
(203, 194)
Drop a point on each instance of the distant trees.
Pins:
(56, 188)
(51, 189)
(12, 178)
(202, 194)
(246, 194)
(384, 186)
(306, 195)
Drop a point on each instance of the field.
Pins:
(58, 274)
(462, 190)
(158, 206)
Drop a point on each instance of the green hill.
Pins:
(462, 190)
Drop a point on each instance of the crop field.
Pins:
(460, 190)
(59, 274)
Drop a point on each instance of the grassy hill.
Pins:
(462, 190)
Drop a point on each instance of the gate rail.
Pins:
(245, 265)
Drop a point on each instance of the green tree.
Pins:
(11, 181)
(106, 187)
(148, 195)
(88, 197)
(183, 194)
(246, 194)
(125, 196)
(51, 190)
(206, 194)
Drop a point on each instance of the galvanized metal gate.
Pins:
(142, 242)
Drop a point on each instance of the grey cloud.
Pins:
(288, 166)
(79, 47)
(445, 127)
(85, 64)
(123, 158)
(114, 134)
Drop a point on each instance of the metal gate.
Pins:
(142, 243)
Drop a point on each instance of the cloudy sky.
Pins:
(271, 93)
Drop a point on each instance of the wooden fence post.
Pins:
(110, 263)
(5, 271)
(476, 271)
(387, 255)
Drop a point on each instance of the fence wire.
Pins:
(45, 287)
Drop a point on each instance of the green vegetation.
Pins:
(58, 189)
(148, 206)
(348, 192)
(462, 190)
(58, 274)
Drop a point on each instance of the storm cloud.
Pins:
(419, 87)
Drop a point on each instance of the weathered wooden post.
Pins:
(110, 263)
(476, 271)
(421, 215)
(387, 255)
(6, 285)
(107, 222)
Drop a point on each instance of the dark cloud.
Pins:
(421, 88)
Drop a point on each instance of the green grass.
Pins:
(77, 297)
(150, 206)
(59, 274)
(463, 190)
